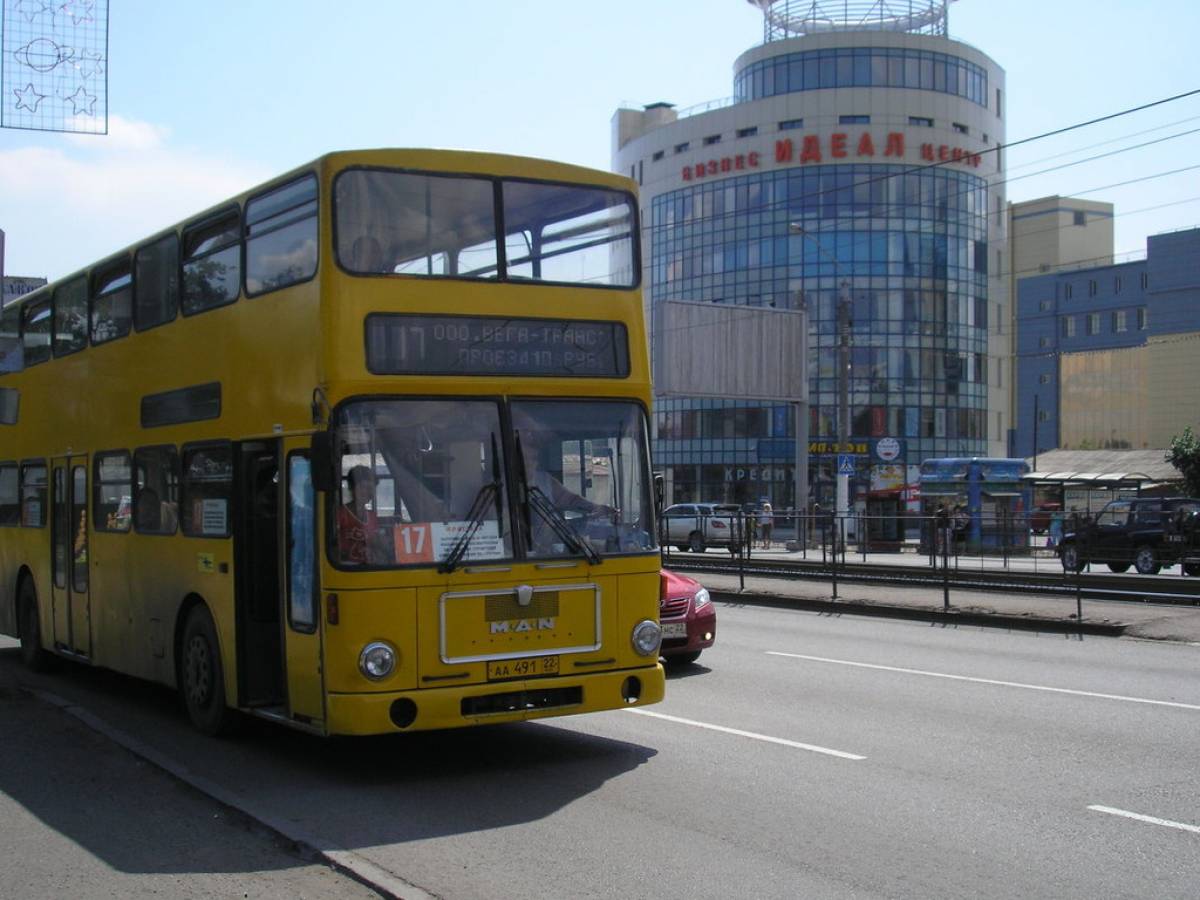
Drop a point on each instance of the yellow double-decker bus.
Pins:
(364, 450)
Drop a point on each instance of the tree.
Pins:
(1184, 455)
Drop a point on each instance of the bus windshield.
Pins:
(408, 223)
(583, 470)
(425, 481)
(412, 471)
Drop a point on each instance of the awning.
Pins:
(998, 494)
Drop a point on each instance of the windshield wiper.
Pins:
(537, 501)
(490, 491)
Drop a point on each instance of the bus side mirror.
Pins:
(322, 461)
(660, 489)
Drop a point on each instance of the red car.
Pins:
(687, 616)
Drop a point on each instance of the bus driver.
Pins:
(361, 539)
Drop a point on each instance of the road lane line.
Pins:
(1182, 826)
(1016, 684)
(748, 734)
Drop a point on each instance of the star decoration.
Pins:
(79, 10)
(82, 102)
(28, 98)
(31, 9)
(91, 63)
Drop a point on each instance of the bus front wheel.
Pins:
(33, 654)
(201, 678)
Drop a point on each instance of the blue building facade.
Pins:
(849, 155)
(1071, 320)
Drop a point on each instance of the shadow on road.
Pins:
(352, 792)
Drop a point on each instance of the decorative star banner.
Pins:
(54, 74)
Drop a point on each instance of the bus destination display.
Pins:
(469, 345)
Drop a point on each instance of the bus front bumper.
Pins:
(506, 701)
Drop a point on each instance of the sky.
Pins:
(207, 100)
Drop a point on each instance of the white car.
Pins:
(698, 526)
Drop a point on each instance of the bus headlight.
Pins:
(377, 660)
(646, 637)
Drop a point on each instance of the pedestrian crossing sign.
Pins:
(845, 464)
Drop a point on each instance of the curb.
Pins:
(954, 616)
(346, 862)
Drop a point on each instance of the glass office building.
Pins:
(853, 154)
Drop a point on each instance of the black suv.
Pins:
(1142, 532)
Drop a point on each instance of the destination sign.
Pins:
(400, 344)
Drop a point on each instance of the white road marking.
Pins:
(747, 734)
(1151, 819)
(1016, 684)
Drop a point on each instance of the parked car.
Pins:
(1128, 532)
(698, 526)
(687, 617)
(1039, 519)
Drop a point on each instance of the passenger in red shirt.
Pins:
(358, 526)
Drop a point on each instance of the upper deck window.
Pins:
(11, 355)
(112, 301)
(281, 236)
(35, 331)
(70, 317)
(405, 223)
(212, 262)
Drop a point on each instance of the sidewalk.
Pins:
(1026, 612)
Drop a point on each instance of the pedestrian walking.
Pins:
(766, 520)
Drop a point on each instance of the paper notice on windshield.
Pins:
(426, 542)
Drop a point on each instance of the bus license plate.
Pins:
(533, 667)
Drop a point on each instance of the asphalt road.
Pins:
(806, 755)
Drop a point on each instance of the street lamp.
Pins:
(843, 318)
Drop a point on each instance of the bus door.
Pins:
(69, 593)
(257, 564)
(274, 552)
(302, 633)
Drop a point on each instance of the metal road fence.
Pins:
(1037, 542)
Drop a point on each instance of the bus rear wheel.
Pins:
(33, 655)
(201, 678)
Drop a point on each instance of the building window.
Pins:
(1142, 317)
(1093, 323)
(712, 139)
(658, 154)
(1091, 287)
(920, 121)
(1043, 378)
(1043, 341)
(1145, 280)
(1066, 292)
(791, 124)
(747, 132)
(959, 127)
(1117, 285)
(1068, 326)
(681, 148)
(854, 120)
(1044, 305)
(999, 110)
(1080, 217)
(1118, 321)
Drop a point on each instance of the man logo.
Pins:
(519, 626)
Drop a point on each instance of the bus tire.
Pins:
(201, 677)
(33, 654)
(1145, 561)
